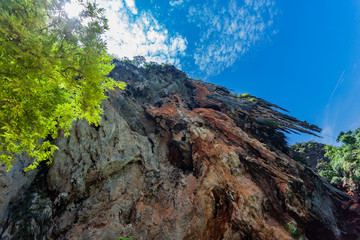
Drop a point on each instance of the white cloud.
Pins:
(131, 5)
(229, 31)
(73, 9)
(133, 33)
(176, 2)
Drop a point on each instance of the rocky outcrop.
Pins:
(177, 158)
(310, 153)
(13, 184)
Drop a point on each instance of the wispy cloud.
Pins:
(340, 81)
(328, 135)
(176, 2)
(225, 31)
(341, 113)
(330, 117)
(329, 124)
(228, 31)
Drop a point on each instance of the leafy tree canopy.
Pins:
(52, 71)
(344, 167)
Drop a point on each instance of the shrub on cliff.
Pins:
(246, 96)
(52, 71)
(344, 167)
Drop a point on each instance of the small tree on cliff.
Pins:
(52, 71)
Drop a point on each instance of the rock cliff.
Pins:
(176, 158)
(311, 153)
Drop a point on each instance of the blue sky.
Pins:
(301, 55)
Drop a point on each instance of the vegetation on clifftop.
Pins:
(344, 167)
(339, 165)
(246, 96)
(310, 153)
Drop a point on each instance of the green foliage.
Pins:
(139, 61)
(293, 230)
(344, 167)
(126, 60)
(166, 65)
(299, 149)
(327, 171)
(312, 153)
(150, 64)
(127, 238)
(246, 96)
(52, 71)
(300, 159)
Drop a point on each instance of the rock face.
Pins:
(176, 158)
(312, 153)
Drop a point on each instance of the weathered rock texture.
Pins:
(311, 153)
(176, 158)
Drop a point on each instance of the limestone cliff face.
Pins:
(312, 153)
(176, 158)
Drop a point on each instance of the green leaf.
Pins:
(51, 76)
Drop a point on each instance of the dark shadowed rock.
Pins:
(310, 152)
